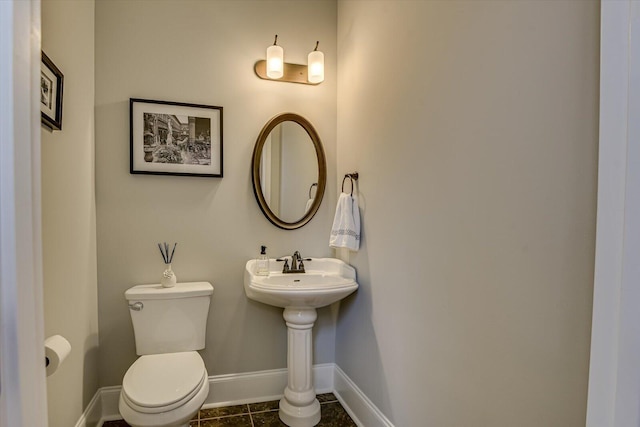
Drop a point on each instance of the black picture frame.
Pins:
(175, 138)
(51, 90)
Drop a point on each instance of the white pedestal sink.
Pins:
(325, 281)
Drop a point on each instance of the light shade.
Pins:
(275, 62)
(315, 63)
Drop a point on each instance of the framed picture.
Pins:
(174, 138)
(51, 80)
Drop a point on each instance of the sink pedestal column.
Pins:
(299, 406)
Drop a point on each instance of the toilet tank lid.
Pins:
(180, 290)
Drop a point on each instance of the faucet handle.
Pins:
(286, 265)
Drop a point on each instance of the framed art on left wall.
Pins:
(51, 84)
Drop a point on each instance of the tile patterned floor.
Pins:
(264, 414)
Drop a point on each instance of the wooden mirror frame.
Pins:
(255, 170)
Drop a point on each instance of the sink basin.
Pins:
(325, 281)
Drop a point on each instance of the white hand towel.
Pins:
(309, 203)
(345, 232)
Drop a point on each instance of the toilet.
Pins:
(168, 383)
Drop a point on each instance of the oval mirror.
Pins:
(289, 171)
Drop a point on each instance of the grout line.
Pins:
(225, 416)
(266, 410)
(250, 417)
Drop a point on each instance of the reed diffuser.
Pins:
(168, 279)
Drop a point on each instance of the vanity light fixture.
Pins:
(275, 60)
(315, 62)
(274, 67)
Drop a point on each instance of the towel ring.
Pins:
(315, 184)
(352, 177)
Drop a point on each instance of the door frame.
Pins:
(23, 400)
(614, 375)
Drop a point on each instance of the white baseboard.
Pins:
(93, 413)
(236, 389)
(356, 403)
(110, 397)
(251, 387)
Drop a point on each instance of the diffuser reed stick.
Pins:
(173, 251)
(166, 257)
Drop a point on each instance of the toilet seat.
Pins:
(162, 382)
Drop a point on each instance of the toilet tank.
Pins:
(169, 320)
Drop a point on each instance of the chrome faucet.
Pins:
(297, 263)
(295, 259)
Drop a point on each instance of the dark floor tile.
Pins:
(264, 406)
(122, 423)
(267, 419)
(116, 423)
(222, 412)
(234, 421)
(264, 414)
(327, 397)
(334, 415)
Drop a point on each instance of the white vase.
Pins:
(168, 279)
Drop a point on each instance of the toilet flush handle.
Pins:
(136, 306)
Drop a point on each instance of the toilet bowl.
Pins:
(164, 390)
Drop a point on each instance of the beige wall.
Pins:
(474, 128)
(203, 52)
(68, 211)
